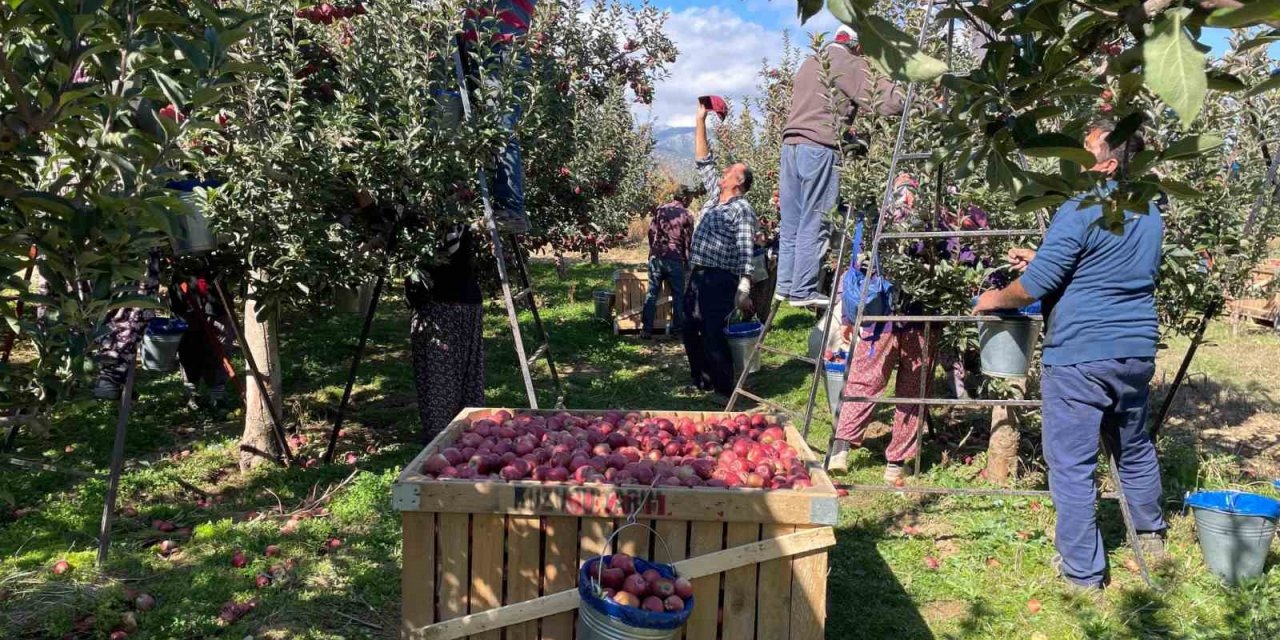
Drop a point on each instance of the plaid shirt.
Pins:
(725, 235)
(670, 232)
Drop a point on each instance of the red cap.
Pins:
(716, 104)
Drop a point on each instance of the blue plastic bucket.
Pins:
(834, 373)
(603, 619)
(742, 338)
(1234, 529)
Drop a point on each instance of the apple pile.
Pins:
(623, 582)
(744, 451)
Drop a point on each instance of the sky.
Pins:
(723, 42)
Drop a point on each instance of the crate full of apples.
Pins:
(622, 449)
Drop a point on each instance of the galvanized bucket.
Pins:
(594, 621)
(160, 344)
(1007, 346)
(191, 234)
(835, 384)
(742, 338)
(1235, 531)
(353, 299)
(604, 304)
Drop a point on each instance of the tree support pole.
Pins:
(1163, 413)
(117, 463)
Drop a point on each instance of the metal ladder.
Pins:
(518, 260)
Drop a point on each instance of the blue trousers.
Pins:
(808, 188)
(672, 272)
(1081, 402)
(707, 304)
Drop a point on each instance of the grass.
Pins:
(992, 579)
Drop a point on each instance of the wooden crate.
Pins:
(1262, 310)
(630, 286)
(471, 547)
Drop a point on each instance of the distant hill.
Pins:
(673, 151)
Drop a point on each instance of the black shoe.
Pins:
(645, 335)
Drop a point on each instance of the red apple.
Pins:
(627, 599)
(624, 562)
(144, 602)
(651, 575)
(654, 603)
(272, 551)
(673, 603)
(61, 567)
(683, 587)
(635, 585)
(662, 587)
(262, 581)
(238, 559)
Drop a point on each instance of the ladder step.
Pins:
(986, 318)
(979, 233)
(783, 352)
(915, 156)
(538, 353)
(944, 402)
(523, 293)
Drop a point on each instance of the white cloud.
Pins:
(721, 52)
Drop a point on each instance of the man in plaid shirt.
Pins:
(721, 259)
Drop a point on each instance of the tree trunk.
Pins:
(562, 267)
(595, 255)
(263, 342)
(1002, 450)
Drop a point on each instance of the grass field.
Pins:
(992, 578)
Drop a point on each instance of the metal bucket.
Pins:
(191, 233)
(742, 338)
(1007, 346)
(1234, 545)
(604, 304)
(448, 107)
(160, 344)
(835, 384)
(593, 625)
(353, 299)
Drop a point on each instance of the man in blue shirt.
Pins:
(1098, 292)
(721, 258)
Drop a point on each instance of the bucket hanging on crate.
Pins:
(1234, 529)
(160, 344)
(1007, 345)
(602, 617)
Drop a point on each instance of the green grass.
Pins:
(993, 553)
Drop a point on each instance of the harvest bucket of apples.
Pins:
(629, 598)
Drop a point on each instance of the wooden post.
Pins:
(117, 460)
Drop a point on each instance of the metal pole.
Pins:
(1130, 531)
(818, 367)
(355, 361)
(1167, 403)
(117, 462)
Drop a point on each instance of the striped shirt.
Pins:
(513, 18)
(725, 234)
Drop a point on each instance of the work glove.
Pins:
(743, 299)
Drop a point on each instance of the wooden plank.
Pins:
(809, 595)
(524, 569)
(709, 565)
(559, 571)
(740, 586)
(417, 578)
(634, 540)
(675, 533)
(704, 538)
(488, 539)
(773, 619)
(454, 555)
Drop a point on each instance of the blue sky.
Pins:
(722, 43)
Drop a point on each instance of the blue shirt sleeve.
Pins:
(1057, 256)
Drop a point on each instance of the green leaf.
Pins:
(1189, 147)
(192, 52)
(1038, 203)
(1252, 13)
(1057, 145)
(894, 52)
(1179, 189)
(808, 9)
(171, 89)
(161, 17)
(1260, 41)
(1173, 67)
(1270, 84)
(1222, 81)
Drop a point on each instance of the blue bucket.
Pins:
(603, 619)
(1234, 529)
(742, 338)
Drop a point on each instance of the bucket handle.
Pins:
(610, 542)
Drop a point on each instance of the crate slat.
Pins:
(676, 535)
(740, 585)
(488, 546)
(634, 541)
(419, 571)
(453, 582)
(705, 537)
(773, 618)
(559, 571)
(523, 570)
(808, 595)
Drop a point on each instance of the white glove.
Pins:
(743, 298)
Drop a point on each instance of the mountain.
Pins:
(673, 151)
